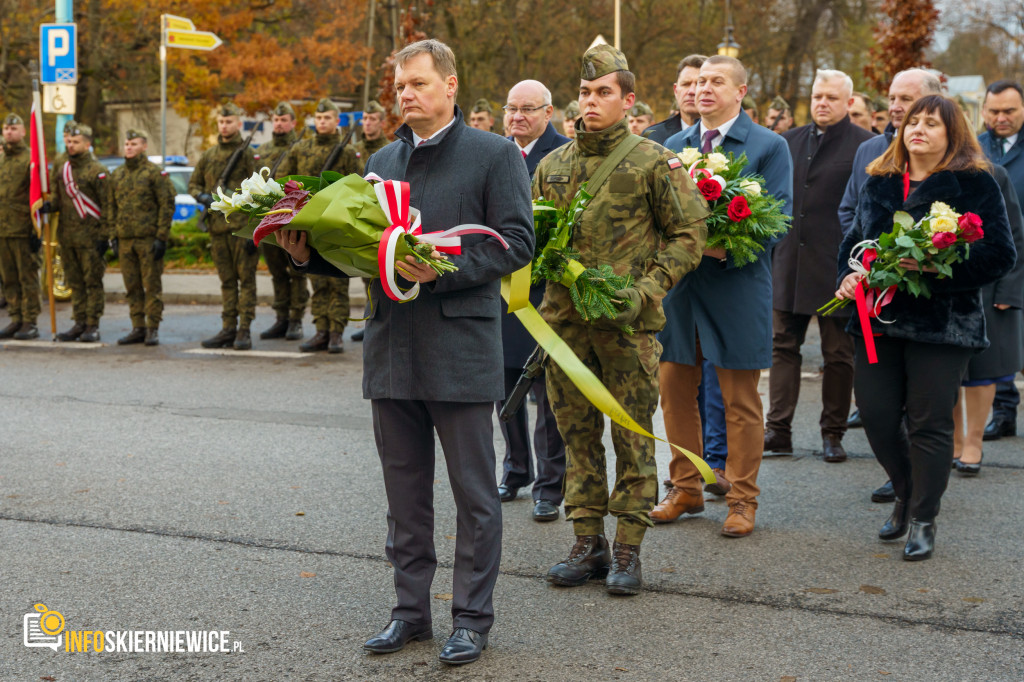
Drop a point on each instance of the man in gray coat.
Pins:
(435, 363)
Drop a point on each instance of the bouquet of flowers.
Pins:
(743, 218)
(592, 290)
(938, 240)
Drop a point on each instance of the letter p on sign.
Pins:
(59, 45)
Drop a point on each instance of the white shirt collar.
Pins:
(723, 130)
(1008, 142)
(416, 139)
(528, 148)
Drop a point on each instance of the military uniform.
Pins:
(19, 246)
(235, 258)
(364, 147)
(330, 301)
(647, 220)
(141, 208)
(570, 114)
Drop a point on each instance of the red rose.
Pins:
(943, 239)
(973, 235)
(738, 209)
(969, 222)
(709, 188)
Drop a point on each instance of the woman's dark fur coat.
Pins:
(953, 315)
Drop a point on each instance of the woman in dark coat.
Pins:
(907, 397)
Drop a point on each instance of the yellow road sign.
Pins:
(193, 40)
(178, 23)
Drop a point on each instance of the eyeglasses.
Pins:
(525, 111)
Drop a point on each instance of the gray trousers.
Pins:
(404, 431)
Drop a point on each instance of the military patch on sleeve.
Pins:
(557, 178)
(101, 176)
(163, 173)
(674, 163)
(256, 157)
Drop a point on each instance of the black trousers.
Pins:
(923, 380)
(547, 444)
(404, 431)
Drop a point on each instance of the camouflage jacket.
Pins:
(141, 200)
(309, 156)
(90, 177)
(646, 220)
(364, 148)
(206, 176)
(268, 153)
(15, 218)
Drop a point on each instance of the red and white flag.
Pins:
(39, 181)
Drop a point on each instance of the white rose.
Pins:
(689, 156)
(942, 210)
(716, 162)
(751, 187)
(943, 223)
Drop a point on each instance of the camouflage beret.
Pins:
(69, 125)
(602, 60)
(482, 105)
(641, 109)
(136, 133)
(326, 105)
(749, 103)
(374, 107)
(81, 129)
(230, 109)
(284, 109)
(13, 120)
(779, 104)
(572, 110)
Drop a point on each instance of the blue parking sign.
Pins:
(58, 54)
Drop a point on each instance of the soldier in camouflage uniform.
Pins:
(640, 118)
(482, 116)
(80, 194)
(569, 117)
(646, 220)
(330, 302)
(19, 244)
(141, 208)
(291, 292)
(236, 259)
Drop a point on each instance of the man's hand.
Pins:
(414, 271)
(47, 207)
(158, 249)
(627, 316)
(205, 199)
(914, 266)
(294, 242)
(1002, 306)
(34, 242)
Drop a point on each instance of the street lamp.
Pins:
(729, 47)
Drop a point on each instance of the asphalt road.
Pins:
(164, 489)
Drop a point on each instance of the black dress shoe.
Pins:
(294, 332)
(624, 576)
(545, 510)
(854, 421)
(588, 559)
(920, 542)
(464, 646)
(777, 442)
(884, 494)
(896, 525)
(968, 470)
(136, 335)
(1000, 427)
(276, 330)
(507, 493)
(396, 635)
(832, 449)
(358, 335)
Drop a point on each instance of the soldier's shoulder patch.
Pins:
(556, 178)
(359, 155)
(163, 173)
(101, 176)
(256, 157)
(674, 163)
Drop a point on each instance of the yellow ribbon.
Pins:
(515, 289)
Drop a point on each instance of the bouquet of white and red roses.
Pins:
(743, 217)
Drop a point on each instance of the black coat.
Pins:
(661, 131)
(802, 274)
(953, 315)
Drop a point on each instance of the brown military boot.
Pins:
(91, 334)
(676, 503)
(276, 330)
(319, 341)
(625, 576)
(136, 335)
(294, 332)
(587, 559)
(27, 332)
(740, 521)
(334, 345)
(243, 340)
(152, 336)
(73, 333)
(10, 330)
(224, 338)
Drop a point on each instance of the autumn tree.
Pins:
(901, 38)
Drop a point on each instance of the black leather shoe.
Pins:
(920, 542)
(276, 330)
(152, 336)
(73, 333)
(223, 339)
(833, 450)
(854, 421)
(243, 340)
(968, 470)
(334, 344)
(136, 335)
(396, 635)
(896, 525)
(624, 577)
(294, 332)
(545, 510)
(317, 343)
(357, 335)
(464, 646)
(10, 330)
(507, 493)
(588, 559)
(777, 442)
(91, 334)
(883, 494)
(1000, 427)
(27, 332)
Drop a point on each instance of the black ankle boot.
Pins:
(920, 542)
(625, 576)
(896, 525)
(587, 559)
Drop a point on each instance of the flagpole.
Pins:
(44, 229)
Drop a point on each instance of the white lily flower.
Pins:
(224, 204)
(260, 184)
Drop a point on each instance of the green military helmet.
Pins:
(572, 110)
(374, 107)
(13, 119)
(325, 105)
(284, 109)
(134, 133)
(602, 60)
(779, 104)
(72, 123)
(81, 129)
(640, 109)
(482, 105)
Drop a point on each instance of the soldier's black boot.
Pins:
(27, 332)
(276, 330)
(224, 338)
(73, 333)
(358, 335)
(294, 332)
(318, 342)
(334, 344)
(10, 330)
(243, 341)
(625, 576)
(152, 336)
(136, 335)
(90, 334)
(588, 559)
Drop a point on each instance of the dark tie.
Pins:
(708, 136)
(524, 152)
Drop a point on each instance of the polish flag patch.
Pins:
(674, 163)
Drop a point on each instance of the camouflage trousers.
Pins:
(330, 303)
(142, 280)
(628, 367)
(19, 272)
(290, 290)
(84, 268)
(237, 272)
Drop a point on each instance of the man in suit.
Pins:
(528, 116)
(434, 363)
(1004, 117)
(723, 313)
(861, 112)
(803, 267)
(684, 90)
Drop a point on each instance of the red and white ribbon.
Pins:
(393, 196)
(83, 204)
(869, 301)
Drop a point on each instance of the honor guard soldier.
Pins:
(291, 292)
(80, 196)
(646, 220)
(324, 152)
(235, 258)
(640, 118)
(140, 211)
(19, 243)
(570, 115)
(482, 116)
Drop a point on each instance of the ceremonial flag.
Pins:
(39, 180)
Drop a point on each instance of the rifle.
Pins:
(337, 150)
(273, 170)
(775, 121)
(534, 367)
(206, 198)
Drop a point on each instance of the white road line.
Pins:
(247, 353)
(42, 344)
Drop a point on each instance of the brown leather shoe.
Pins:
(721, 486)
(740, 521)
(777, 442)
(833, 449)
(675, 504)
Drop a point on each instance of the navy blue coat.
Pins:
(867, 152)
(660, 132)
(1012, 161)
(730, 308)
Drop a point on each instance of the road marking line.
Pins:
(247, 353)
(43, 344)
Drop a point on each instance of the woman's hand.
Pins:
(914, 266)
(294, 242)
(848, 287)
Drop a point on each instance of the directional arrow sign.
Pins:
(178, 23)
(193, 40)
